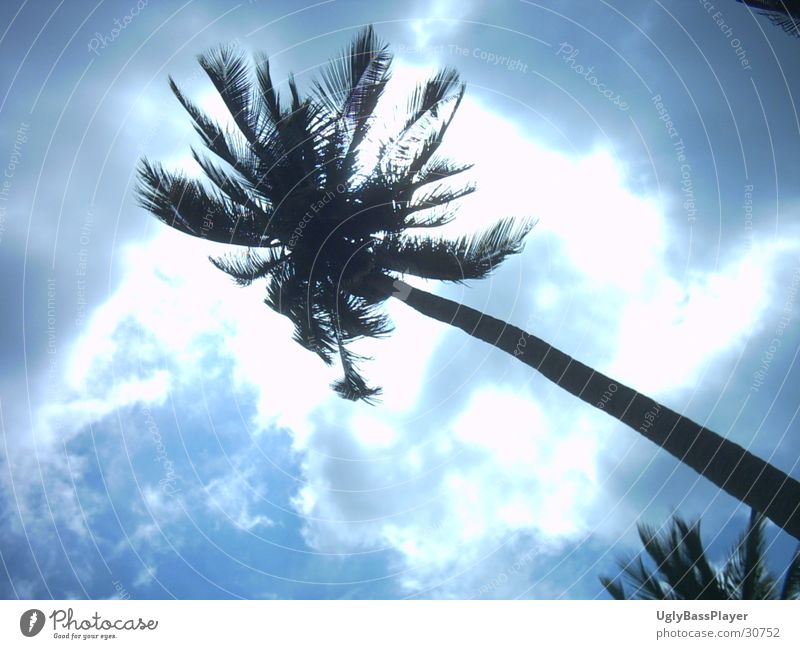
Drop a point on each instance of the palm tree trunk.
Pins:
(744, 476)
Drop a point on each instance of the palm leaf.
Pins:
(745, 572)
(267, 100)
(188, 206)
(352, 386)
(681, 559)
(438, 197)
(437, 169)
(789, 24)
(469, 257)
(429, 96)
(245, 269)
(791, 583)
(646, 584)
(242, 192)
(228, 71)
(615, 589)
(343, 81)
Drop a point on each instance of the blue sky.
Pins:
(162, 436)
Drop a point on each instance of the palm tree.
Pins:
(782, 13)
(328, 213)
(684, 572)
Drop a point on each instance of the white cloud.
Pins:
(441, 19)
(450, 495)
(237, 496)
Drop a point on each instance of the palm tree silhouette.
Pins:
(782, 13)
(332, 232)
(682, 570)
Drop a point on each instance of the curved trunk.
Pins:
(744, 476)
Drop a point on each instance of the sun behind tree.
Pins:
(332, 236)
(333, 232)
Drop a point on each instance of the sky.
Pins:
(163, 437)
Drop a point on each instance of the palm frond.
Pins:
(345, 78)
(352, 386)
(246, 268)
(468, 257)
(745, 572)
(789, 24)
(491, 247)
(438, 197)
(188, 206)
(437, 169)
(683, 571)
(646, 584)
(791, 582)
(415, 147)
(429, 96)
(429, 219)
(224, 145)
(431, 143)
(431, 258)
(350, 88)
(614, 588)
(228, 71)
(680, 557)
(784, 14)
(240, 191)
(313, 329)
(267, 99)
(356, 318)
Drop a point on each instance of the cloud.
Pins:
(441, 19)
(237, 496)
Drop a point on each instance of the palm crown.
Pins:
(323, 221)
(782, 13)
(684, 572)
